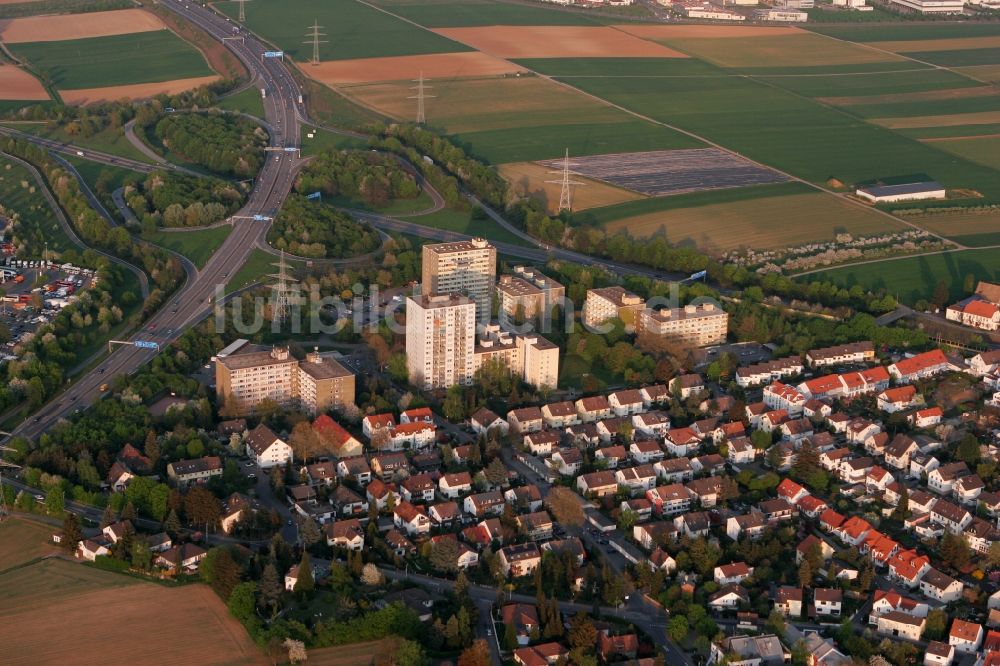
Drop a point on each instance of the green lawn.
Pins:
(325, 140)
(352, 29)
(789, 132)
(97, 62)
(462, 222)
(20, 193)
(573, 369)
(258, 265)
(907, 31)
(110, 140)
(462, 13)
(913, 278)
(400, 207)
(539, 142)
(246, 101)
(198, 245)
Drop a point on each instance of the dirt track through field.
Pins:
(60, 27)
(135, 91)
(433, 66)
(17, 84)
(928, 45)
(557, 42)
(140, 624)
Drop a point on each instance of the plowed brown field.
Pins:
(135, 91)
(433, 66)
(60, 27)
(15, 83)
(557, 42)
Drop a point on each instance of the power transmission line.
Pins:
(243, 10)
(421, 95)
(314, 35)
(566, 193)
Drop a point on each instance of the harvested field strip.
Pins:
(930, 45)
(17, 84)
(984, 150)
(762, 223)
(468, 13)
(923, 96)
(355, 654)
(983, 118)
(118, 60)
(911, 31)
(540, 142)
(617, 67)
(706, 31)
(981, 72)
(796, 49)
(608, 214)
(885, 68)
(952, 131)
(486, 104)
(431, 66)
(661, 173)
(62, 27)
(528, 179)
(557, 42)
(91, 605)
(933, 107)
(955, 224)
(353, 29)
(959, 58)
(134, 91)
(913, 278)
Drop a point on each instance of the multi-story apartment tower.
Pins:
(529, 292)
(611, 302)
(698, 325)
(465, 267)
(246, 375)
(440, 339)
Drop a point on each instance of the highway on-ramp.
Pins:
(196, 298)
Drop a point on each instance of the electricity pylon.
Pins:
(566, 193)
(421, 95)
(314, 35)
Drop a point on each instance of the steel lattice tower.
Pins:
(243, 10)
(4, 509)
(421, 95)
(284, 289)
(314, 35)
(566, 183)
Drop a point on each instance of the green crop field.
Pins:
(469, 13)
(951, 131)
(913, 278)
(20, 193)
(871, 84)
(353, 29)
(147, 57)
(907, 31)
(198, 245)
(927, 107)
(523, 144)
(958, 57)
(788, 132)
(984, 150)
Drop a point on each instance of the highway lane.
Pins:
(93, 156)
(196, 298)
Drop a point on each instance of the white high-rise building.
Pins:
(463, 267)
(440, 340)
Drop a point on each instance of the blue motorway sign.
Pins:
(146, 344)
(315, 195)
(699, 274)
(274, 54)
(258, 217)
(291, 149)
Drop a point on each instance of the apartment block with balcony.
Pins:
(440, 340)
(699, 325)
(467, 267)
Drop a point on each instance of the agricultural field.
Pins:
(558, 42)
(355, 654)
(972, 228)
(23, 540)
(90, 603)
(101, 67)
(353, 29)
(516, 119)
(982, 149)
(16, 84)
(530, 179)
(913, 278)
(719, 227)
(470, 13)
(64, 27)
(430, 66)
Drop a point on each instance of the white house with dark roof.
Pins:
(267, 449)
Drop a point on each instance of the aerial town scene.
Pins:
(500, 332)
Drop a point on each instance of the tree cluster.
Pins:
(310, 229)
(223, 143)
(375, 178)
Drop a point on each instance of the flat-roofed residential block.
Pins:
(528, 293)
(440, 340)
(466, 267)
(699, 325)
(611, 303)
